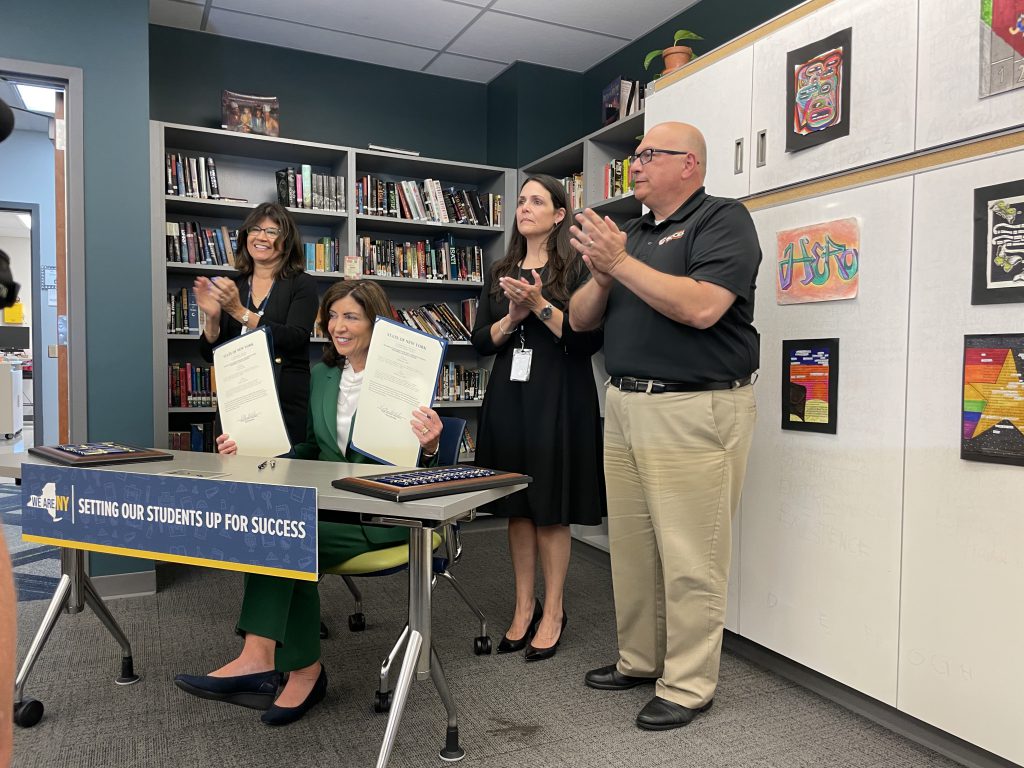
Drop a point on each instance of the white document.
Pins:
(250, 411)
(400, 376)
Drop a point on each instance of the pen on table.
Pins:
(263, 464)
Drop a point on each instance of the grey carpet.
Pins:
(511, 713)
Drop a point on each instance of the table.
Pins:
(421, 517)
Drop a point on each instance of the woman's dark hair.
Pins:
(564, 263)
(292, 259)
(367, 294)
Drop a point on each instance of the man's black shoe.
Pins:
(661, 714)
(610, 679)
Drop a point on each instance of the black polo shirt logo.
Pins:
(673, 236)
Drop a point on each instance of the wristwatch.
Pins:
(245, 317)
(545, 314)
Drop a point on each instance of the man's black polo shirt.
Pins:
(710, 239)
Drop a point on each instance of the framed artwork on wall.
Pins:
(1001, 50)
(998, 274)
(818, 262)
(810, 384)
(818, 91)
(992, 416)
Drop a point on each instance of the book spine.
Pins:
(211, 168)
(169, 173)
(307, 186)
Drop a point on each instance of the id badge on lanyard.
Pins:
(521, 359)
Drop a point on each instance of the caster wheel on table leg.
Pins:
(27, 712)
(482, 645)
(382, 701)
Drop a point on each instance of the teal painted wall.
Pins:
(109, 42)
(322, 98)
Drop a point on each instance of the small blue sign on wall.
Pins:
(268, 529)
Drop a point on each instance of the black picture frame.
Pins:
(796, 141)
(998, 441)
(988, 220)
(793, 401)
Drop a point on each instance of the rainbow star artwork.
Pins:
(992, 424)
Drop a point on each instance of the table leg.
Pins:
(73, 589)
(412, 652)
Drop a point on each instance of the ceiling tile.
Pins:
(463, 68)
(173, 13)
(506, 38)
(315, 40)
(625, 20)
(426, 23)
(475, 3)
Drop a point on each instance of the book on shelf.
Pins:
(617, 178)
(458, 383)
(438, 259)
(621, 98)
(189, 242)
(304, 187)
(191, 386)
(323, 255)
(437, 319)
(426, 200)
(250, 114)
(188, 176)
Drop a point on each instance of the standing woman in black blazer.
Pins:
(272, 291)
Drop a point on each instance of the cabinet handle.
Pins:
(737, 157)
(762, 141)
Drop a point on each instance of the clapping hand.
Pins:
(601, 243)
(523, 296)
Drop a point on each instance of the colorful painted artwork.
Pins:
(998, 276)
(810, 384)
(992, 424)
(819, 262)
(1002, 46)
(818, 91)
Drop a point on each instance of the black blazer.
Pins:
(288, 316)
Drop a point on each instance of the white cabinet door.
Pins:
(881, 100)
(948, 105)
(963, 566)
(717, 101)
(820, 537)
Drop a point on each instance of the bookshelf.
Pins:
(589, 156)
(457, 251)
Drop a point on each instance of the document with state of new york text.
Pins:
(250, 412)
(400, 375)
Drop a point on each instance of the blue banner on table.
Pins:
(269, 529)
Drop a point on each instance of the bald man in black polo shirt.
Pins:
(675, 292)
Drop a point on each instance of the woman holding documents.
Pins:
(540, 413)
(280, 618)
(272, 291)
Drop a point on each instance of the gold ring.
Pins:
(425, 430)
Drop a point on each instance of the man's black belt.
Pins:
(653, 386)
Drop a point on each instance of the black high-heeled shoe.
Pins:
(514, 646)
(533, 653)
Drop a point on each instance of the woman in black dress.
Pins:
(272, 291)
(540, 414)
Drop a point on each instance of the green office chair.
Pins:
(383, 562)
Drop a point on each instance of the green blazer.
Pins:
(322, 439)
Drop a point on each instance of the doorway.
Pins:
(37, 191)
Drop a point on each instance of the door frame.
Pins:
(36, 273)
(71, 79)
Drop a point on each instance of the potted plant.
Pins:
(675, 56)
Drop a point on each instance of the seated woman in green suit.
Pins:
(280, 617)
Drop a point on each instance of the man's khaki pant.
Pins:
(674, 466)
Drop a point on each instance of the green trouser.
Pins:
(288, 610)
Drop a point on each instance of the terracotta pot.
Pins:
(675, 57)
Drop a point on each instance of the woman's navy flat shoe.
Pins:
(256, 691)
(284, 715)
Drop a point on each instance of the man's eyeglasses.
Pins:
(647, 155)
(270, 232)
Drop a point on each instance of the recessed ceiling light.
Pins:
(38, 98)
